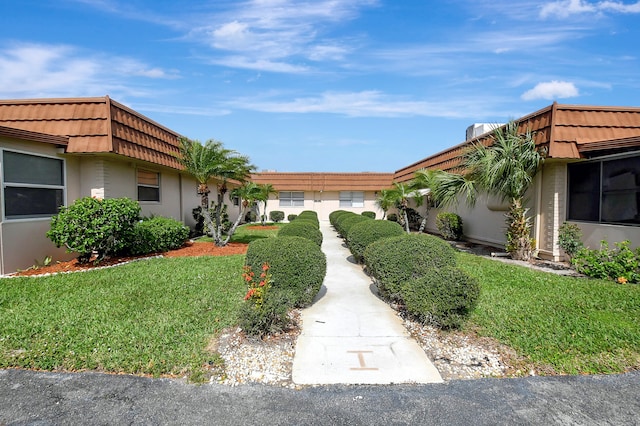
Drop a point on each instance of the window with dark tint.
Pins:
(33, 186)
(606, 191)
(148, 185)
(584, 191)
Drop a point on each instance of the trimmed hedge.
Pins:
(91, 224)
(395, 260)
(443, 297)
(369, 214)
(334, 215)
(276, 216)
(349, 222)
(302, 228)
(310, 216)
(364, 233)
(297, 266)
(292, 217)
(449, 225)
(157, 235)
(339, 220)
(308, 221)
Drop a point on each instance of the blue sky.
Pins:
(325, 85)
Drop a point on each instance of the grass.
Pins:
(249, 232)
(151, 317)
(565, 325)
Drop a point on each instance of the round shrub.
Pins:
(346, 224)
(392, 217)
(364, 233)
(302, 228)
(334, 214)
(276, 216)
(310, 216)
(90, 224)
(297, 266)
(369, 214)
(444, 297)
(157, 235)
(340, 219)
(449, 225)
(311, 222)
(292, 217)
(395, 260)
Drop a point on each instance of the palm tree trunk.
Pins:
(406, 220)
(232, 230)
(519, 243)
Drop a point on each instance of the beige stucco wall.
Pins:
(23, 242)
(593, 234)
(323, 203)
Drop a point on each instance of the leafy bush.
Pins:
(443, 297)
(250, 217)
(276, 216)
(334, 215)
(570, 238)
(90, 224)
(449, 225)
(349, 222)
(292, 217)
(369, 214)
(310, 216)
(340, 219)
(264, 310)
(308, 221)
(620, 264)
(157, 235)
(302, 228)
(393, 217)
(395, 260)
(415, 219)
(298, 266)
(364, 233)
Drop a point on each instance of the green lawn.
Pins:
(573, 325)
(149, 317)
(157, 316)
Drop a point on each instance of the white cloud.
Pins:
(565, 8)
(40, 70)
(274, 33)
(551, 90)
(368, 103)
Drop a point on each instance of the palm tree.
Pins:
(209, 161)
(505, 169)
(400, 196)
(425, 179)
(248, 194)
(266, 190)
(384, 201)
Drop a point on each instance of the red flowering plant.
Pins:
(257, 289)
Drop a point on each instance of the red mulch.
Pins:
(189, 249)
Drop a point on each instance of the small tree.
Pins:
(400, 195)
(266, 190)
(207, 162)
(505, 169)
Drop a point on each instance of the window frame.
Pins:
(157, 187)
(602, 192)
(4, 185)
(349, 201)
(291, 201)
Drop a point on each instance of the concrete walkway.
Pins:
(349, 336)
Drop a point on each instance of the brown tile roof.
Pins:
(25, 135)
(566, 131)
(290, 181)
(95, 125)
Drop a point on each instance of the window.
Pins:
(351, 199)
(291, 199)
(32, 185)
(148, 185)
(606, 191)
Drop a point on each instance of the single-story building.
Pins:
(324, 192)
(590, 177)
(54, 151)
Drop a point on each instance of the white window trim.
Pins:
(4, 185)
